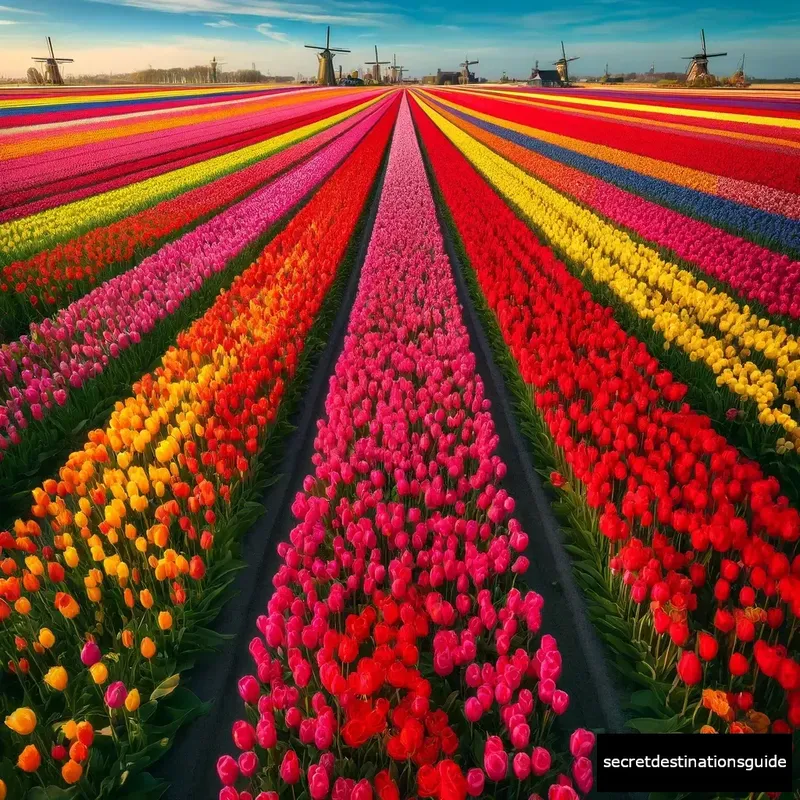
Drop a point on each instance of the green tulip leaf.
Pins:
(166, 687)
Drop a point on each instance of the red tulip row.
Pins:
(699, 547)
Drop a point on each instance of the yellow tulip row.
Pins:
(680, 306)
(23, 237)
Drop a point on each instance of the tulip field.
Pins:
(475, 297)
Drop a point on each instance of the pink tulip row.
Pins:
(65, 351)
(43, 168)
(755, 272)
(405, 544)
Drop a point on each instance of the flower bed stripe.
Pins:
(758, 274)
(662, 152)
(164, 501)
(18, 145)
(114, 113)
(21, 238)
(393, 584)
(777, 118)
(778, 139)
(61, 173)
(87, 338)
(673, 528)
(768, 216)
(710, 328)
(35, 285)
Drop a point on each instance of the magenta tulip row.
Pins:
(404, 520)
(65, 351)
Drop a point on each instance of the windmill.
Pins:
(376, 66)
(466, 75)
(562, 65)
(397, 70)
(52, 74)
(325, 74)
(739, 78)
(698, 69)
(214, 65)
(609, 78)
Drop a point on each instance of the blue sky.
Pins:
(122, 35)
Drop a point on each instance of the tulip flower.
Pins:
(29, 759)
(290, 767)
(133, 700)
(116, 694)
(22, 721)
(90, 654)
(56, 678)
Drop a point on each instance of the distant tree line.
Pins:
(177, 75)
(202, 74)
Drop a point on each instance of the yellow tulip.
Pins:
(46, 638)
(133, 700)
(22, 721)
(99, 672)
(56, 678)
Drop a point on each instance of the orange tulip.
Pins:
(29, 759)
(85, 733)
(148, 647)
(67, 605)
(71, 772)
(78, 751)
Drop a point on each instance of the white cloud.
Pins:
(221, 23)
(266, 29)
(13, 10)
(342, 13)
(8, 22)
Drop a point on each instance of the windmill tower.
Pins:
(214, 65)
(562, 65)
(697, 73)
(376, 66)
(325, 74)
(52, 74)
(466, 75)
(739, 78)
(396, 70)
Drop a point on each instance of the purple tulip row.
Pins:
(63, 352)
